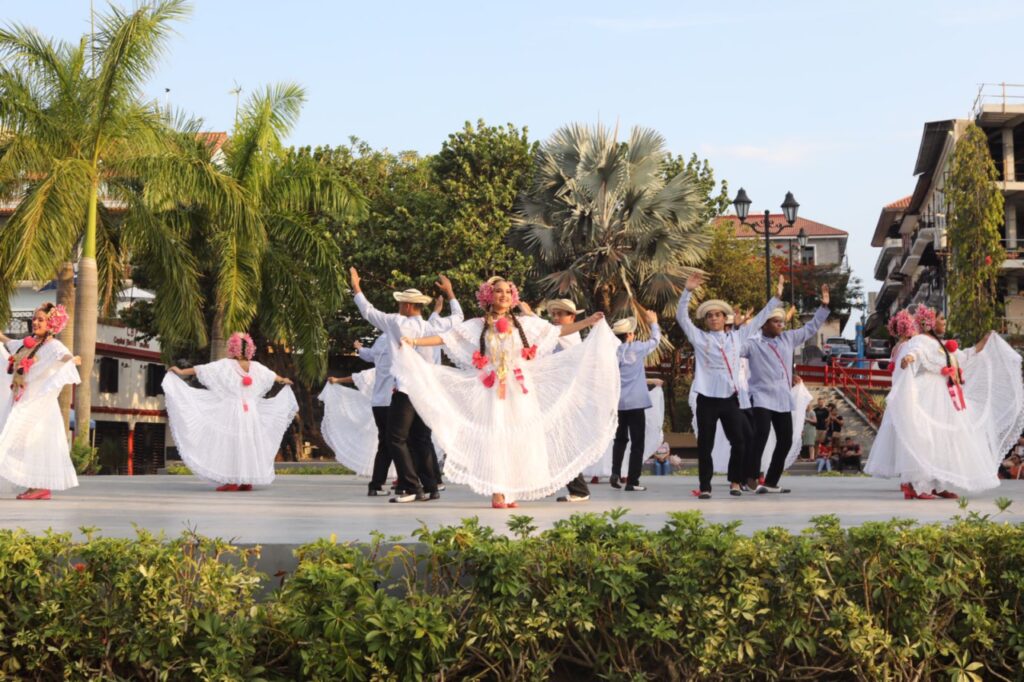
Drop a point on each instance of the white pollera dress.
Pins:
(228, 432)
(940, 441)
(882, 457)
(34, 449)
(348, 426)
(535, 425)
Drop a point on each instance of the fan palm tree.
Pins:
(604, 226)
(91, 167)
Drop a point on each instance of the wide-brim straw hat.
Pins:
(412, 296)
(714, 304)
(563, 304)
(626, 325)
(778, 314)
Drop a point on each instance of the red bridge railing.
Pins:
(855, 382)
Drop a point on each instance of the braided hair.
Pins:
(14, 365)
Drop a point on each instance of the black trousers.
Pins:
(764, 421)
(632, 426)
(751, 462)
(382, 460)
(407, 435)
(578, 486)
(709, 412)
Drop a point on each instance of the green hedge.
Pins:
(594, 598)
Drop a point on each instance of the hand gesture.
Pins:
(790, 313)
(77, 360)
(694, 281)
(650, 317)
(525, 308)
(408, 341)
(354, 276)
(438, 304)
(906, 361)
(595, 318)
(780, 287)
(445, 285)
(358, 345)
(824, 295)
(172, 370)
(333, 380)
(285, 380)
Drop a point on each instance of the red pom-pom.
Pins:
(988, 260)
(530, 353)
(490, 379)
(947, 371)
(501, 325)
(247, 381)
(479, 361)
(952, 346)
(30, 342)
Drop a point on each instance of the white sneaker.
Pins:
(408, 497)
(763, 489)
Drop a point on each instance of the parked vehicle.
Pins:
(878, 348)
(835, 346)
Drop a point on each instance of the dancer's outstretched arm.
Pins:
(339, 380)
(190, 372)
(582, 324)
(422, 341)
(282, 380)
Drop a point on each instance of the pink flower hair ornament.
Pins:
(57, 319)
(235, 346)
(925, 318)
(485, 293)
(902, 324)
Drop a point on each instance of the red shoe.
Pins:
(760, 480)
(41, 494)
(227, 488)
(946, 495)
(246, 487)
(511, 505)
(498, 505)
(595, 479)
(910, 494)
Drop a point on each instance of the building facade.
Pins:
(911, 232)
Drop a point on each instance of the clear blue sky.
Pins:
(826, 99)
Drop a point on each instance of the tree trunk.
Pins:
(218, 344)
(66, 298)
(86, 318)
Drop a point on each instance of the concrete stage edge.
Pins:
(298, 509)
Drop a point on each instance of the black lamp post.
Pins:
(789, 210)
(801, 240)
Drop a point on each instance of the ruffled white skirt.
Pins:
(529, 445)
(349, 428)
(220, 441)
(654, 422)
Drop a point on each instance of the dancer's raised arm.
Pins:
(582, 324)
(766, 311)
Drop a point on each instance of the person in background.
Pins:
(820, 425)
(851, 455)
(662, 465)
(810, 436)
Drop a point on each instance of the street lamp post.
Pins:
(789, 210)
(801, 240)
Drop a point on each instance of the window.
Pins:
(808, 255)
(154, 379)
(109, 370)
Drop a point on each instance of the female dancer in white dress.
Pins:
(516, 421)
(33, 442)
(962, 411)
(229, 433)
(883, 458)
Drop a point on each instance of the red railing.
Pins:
(854, 382)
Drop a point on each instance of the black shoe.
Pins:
(735, 492)
(573, 498)
(441, 487)
(374, 492)
(430, 496)
(638, 488)
(704, 495)
(403, 498)
(613, 481)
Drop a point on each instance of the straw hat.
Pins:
(412, 296)
(626, 325)
(778, 314)
(563, 304)
(714, 304)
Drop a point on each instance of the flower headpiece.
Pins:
(57, 319)
(902, 324)
(485, 294)
(235, 346)
(925, 317)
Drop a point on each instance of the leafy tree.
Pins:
(975, 213)
(735, 269)
(88, 162)
(605, 226)
(715, 195)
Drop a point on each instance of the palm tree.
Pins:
(604, 225)
(92, 166)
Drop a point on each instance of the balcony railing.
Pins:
(890, 248)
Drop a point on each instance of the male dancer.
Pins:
(405, 427)
(379, 354)
(563, 312)
(771, 378)
(717, 359)
(634, 398)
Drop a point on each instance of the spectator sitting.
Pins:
(660, 459)
(824, 457)
(850, 457)
(1011, 468)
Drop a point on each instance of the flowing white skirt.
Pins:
(221, 442)
(529, 445)
(34, 450)
(924, 437)
(721, 451)
(654, 422)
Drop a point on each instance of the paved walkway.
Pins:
(298, 509)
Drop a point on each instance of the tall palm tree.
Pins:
(603, 224)
(91, 165)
